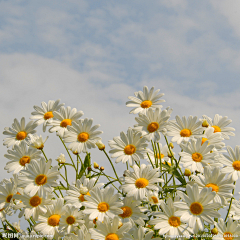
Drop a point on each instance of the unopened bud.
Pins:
(171, 145)
(83, 190)
(61, 159)
(170, 155)
(89, 168)
(187, 172)
(95, 165)
(100, 145)
(205, 123)
(101, 168)
(214, 231)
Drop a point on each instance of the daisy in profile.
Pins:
(109, 231)
(228, 231)
(196, 155)
(235, 210)
(18, 132)
(215, 180)
(65, 117)
(132, 212)
(153, 198)
(38, 177)
(152, 124)
(49, 222)
(168, 222)
(19, 157)
(70, 219)
(76, 194)
(231, 162)
(36, 141)
(184, 129)
(139, 182)
(220, 124)
(128, 147)
(196, 207)
(145, 100)
(32, 206)
(102, 203)
(82, 135)
(44, 115)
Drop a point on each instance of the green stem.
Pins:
(150, 160)
(55, 193)
(66, 175)
(44, 155)
(112, 166)
(230, 202)
(10, 225)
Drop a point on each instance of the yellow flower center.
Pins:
(204, 140)
(155, 200)
(83, 137)
(70, 220)
(168, 163)
(130, 149)
(236, 165)
(66, 122)
(21, 135)
(141, 183)
(196, 208)
(112, 236)
(216, 129)
(35, 201)
(81, 197)
(214, 187)
(152, 127)
(127, 212)
(146, 104)
(24, 160)
(228, 236)
(197, 157)
(54, 220)
(158, 156)
(8, 198)
(103, 207)
(41, 179)
(174, 221)
(48, 115)
(185, 132)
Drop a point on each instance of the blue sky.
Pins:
(94, 54)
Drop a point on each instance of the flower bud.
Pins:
(61, 158)
(95, 165)
(101, 168)
(205, 123)
(100, 145)
(83, 190)
(214, 231)
(75, 152)
(89, 168)
(187, 172)
(171, 145)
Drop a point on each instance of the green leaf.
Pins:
(86, 164)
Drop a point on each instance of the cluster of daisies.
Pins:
(157, 197)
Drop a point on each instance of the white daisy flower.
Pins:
(38, 177)
(139, 182)
(196, 155)
(19, 132)
(229, 232)
(49, 222)
(132, 212)
(235, 210)
(20, 156)
(214, 139)
(145, 100)
(108, 230)
(82, 135)
(44, 115)
(184, 129)
(196, 207)
(152, 124)
(215, 180)
(71, 218)
(102, 203)
(128, 147)
(168, 222)
(36, 141)
(140, 233)
(219, 124)
(61, 158)
(80, 233)
(76, 194)
(232, 162)
(32, 206)
(153, 198)
(65, 117)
